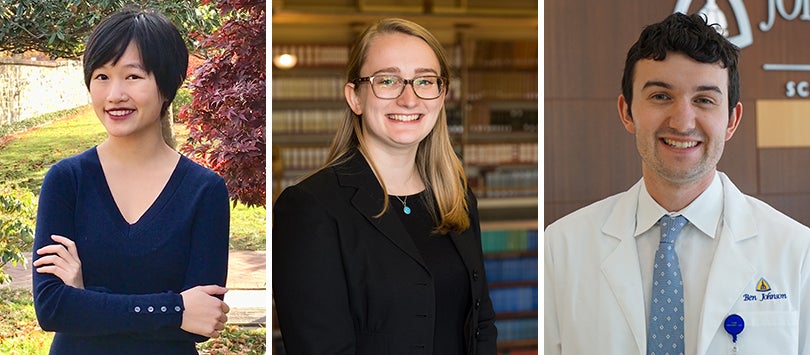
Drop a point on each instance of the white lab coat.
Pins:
(594, 302)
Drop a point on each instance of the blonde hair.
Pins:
(436, 161)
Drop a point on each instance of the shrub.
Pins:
(17, 220)
(226, 118)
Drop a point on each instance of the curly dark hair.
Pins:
(690, 35)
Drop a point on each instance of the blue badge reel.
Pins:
(734, 325)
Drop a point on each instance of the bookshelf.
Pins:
(510, 259)
(492, 115)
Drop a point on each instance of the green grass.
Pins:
(19, 332)
(25, 158)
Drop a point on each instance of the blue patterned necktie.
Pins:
(665, 335)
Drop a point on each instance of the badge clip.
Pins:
(734, 325)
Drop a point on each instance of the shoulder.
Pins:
(199, 173)
(75, 166)
(590, 216)
(318, 187)
(748, 212)
(770, 218)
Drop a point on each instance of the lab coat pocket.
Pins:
(769, 332)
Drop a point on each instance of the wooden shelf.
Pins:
(510, 254)
(513, 315)
(293, 140)
(507, 284)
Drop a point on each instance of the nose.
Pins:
(117, 92)
(408, 97)
(683, 116)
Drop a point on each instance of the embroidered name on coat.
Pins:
(765, 294)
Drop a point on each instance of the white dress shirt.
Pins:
(695, 246)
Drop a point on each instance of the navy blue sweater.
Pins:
(133, 273)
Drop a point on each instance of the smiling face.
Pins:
(403, 122)
(125, 96)
(680, 118)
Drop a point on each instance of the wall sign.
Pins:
(801, 10)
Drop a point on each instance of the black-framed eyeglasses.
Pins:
(389, 87)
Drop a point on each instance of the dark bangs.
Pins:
(162, 49)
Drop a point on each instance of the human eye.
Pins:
(705, 100)
(100, 76)
(133, 77)
(387, 80)
(426, 81)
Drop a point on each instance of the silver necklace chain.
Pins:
(405, 207)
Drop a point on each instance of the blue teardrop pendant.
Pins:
(406, 209)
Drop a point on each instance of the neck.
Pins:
(139, 151)
(397, 170)
(675, 196)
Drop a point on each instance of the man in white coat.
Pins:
(745, 267)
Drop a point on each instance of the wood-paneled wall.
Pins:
(587, 153)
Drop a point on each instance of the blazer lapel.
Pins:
(621, 267)
(368, 200)
(731, 271)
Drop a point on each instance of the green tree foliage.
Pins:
(59, 27)
(226, 118)
(17, 218)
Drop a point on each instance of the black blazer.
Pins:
(345, 282)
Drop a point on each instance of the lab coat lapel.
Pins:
(368, 199)
(621, 268)
(731, 271)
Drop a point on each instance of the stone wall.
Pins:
(33, 88)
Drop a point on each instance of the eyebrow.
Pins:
(668, 86)
(129, 65)
(397, 71)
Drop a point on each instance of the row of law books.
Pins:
(500, 153)
(504, 240)
(319, 121)
(510, 270)
(516, 329)
(474, 154)
(303, 158)
(307, 121)
(481, 86)
(502, 85)
(320, 87)
(330, 87)
(514, 299)
(482, 54)
(315, 55)
(513, 182)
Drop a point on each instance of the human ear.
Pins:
(352, 98)
(625, 115)
(734, 120)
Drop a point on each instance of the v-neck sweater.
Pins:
(133, 273)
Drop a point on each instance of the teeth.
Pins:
(679, 144)
(404, 118)
(119, 112)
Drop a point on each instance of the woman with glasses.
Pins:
(379, 251)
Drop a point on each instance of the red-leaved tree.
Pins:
(226, 117)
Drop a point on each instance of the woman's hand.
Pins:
(62, 260)
(204, 314)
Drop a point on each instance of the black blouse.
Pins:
(447, 269)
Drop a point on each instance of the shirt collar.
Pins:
(704, 212)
